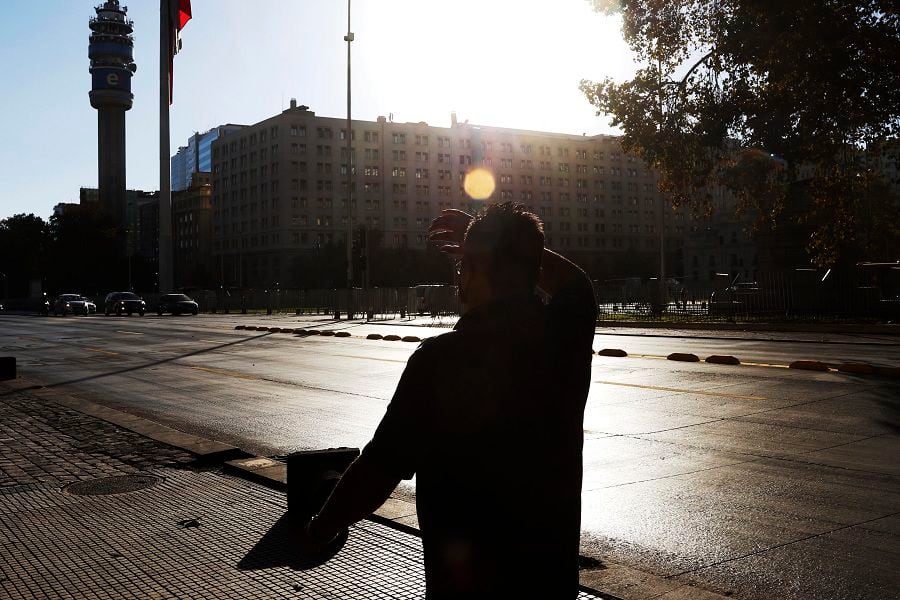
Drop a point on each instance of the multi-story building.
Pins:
(196, 156)
(192, 233)
(280, 190)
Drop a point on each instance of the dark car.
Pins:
(176, 304)
(124, 302)
(74, 304)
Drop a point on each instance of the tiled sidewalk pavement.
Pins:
(196, 534)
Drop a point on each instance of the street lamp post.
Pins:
(349, 138)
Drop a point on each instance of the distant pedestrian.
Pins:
(489, 419)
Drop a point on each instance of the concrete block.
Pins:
(856, 368)
(809, 365)
(373, 336)
(723, 359)
(326, 333)
(392, 338)
(342, 334)
(7, 368)
(411, 338)
(311, 477)
(683, 357)
(612, 352)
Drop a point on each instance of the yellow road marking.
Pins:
(682, 391)
(102, 351)
(128, 332)
(775, 365)
(648, 356)
(224, 372)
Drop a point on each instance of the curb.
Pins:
(259, 469)
(204, 450)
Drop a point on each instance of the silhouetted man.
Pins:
(489, 419)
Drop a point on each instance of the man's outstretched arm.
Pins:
(361, 491)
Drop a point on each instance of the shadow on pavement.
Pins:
(280, 547)
(136, 367)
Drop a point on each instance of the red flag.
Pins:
(179, 15)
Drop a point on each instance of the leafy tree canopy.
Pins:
(775, 100)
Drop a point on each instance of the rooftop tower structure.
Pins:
(111, 52)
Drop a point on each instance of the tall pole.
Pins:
(165, 192)
(349, 38)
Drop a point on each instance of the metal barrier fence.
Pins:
(373, 304)
(800, 295)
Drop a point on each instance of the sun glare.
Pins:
(479, 184)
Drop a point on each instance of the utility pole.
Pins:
(165, 192)
(349, 38)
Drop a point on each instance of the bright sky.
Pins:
(510, 63)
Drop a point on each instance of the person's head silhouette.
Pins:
(501, 255)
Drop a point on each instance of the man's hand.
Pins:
(448, 231)
(317, 546)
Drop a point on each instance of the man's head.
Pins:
(501, 254)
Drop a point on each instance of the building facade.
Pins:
(192, 233)
(280, 191)
(196, 156)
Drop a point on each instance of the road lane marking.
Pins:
(774, 365)
(128, 332)
(648, 356)
(680, 390)
(224, 372)
(102, 351)
(395, 360)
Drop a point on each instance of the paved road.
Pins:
(761, 481)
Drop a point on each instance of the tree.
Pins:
(779, 102)
(23, 251)
(86, 251)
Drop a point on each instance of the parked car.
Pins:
(73, 304)
(176, 304)
(124, 302)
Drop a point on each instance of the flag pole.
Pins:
(165, 192)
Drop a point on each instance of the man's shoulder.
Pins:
(438, 345)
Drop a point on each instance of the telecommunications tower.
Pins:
(111, 52)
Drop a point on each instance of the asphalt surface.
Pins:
(756, 480)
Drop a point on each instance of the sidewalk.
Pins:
(89, 509)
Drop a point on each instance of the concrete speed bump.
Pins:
(391, 338)
(301, 331)
(683, 357)
(722, 359)
(275, 329)
(342, 334)
(612, 352)
(326, 332)
(311, 331)
(374, 336)
(411, 338)
(240, 327)
(809, 365)
(856, 368)
(262, 328)
(286, 330)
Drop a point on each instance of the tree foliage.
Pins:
(23, 252)
(775, 101)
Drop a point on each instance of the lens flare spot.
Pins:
(479, 184)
